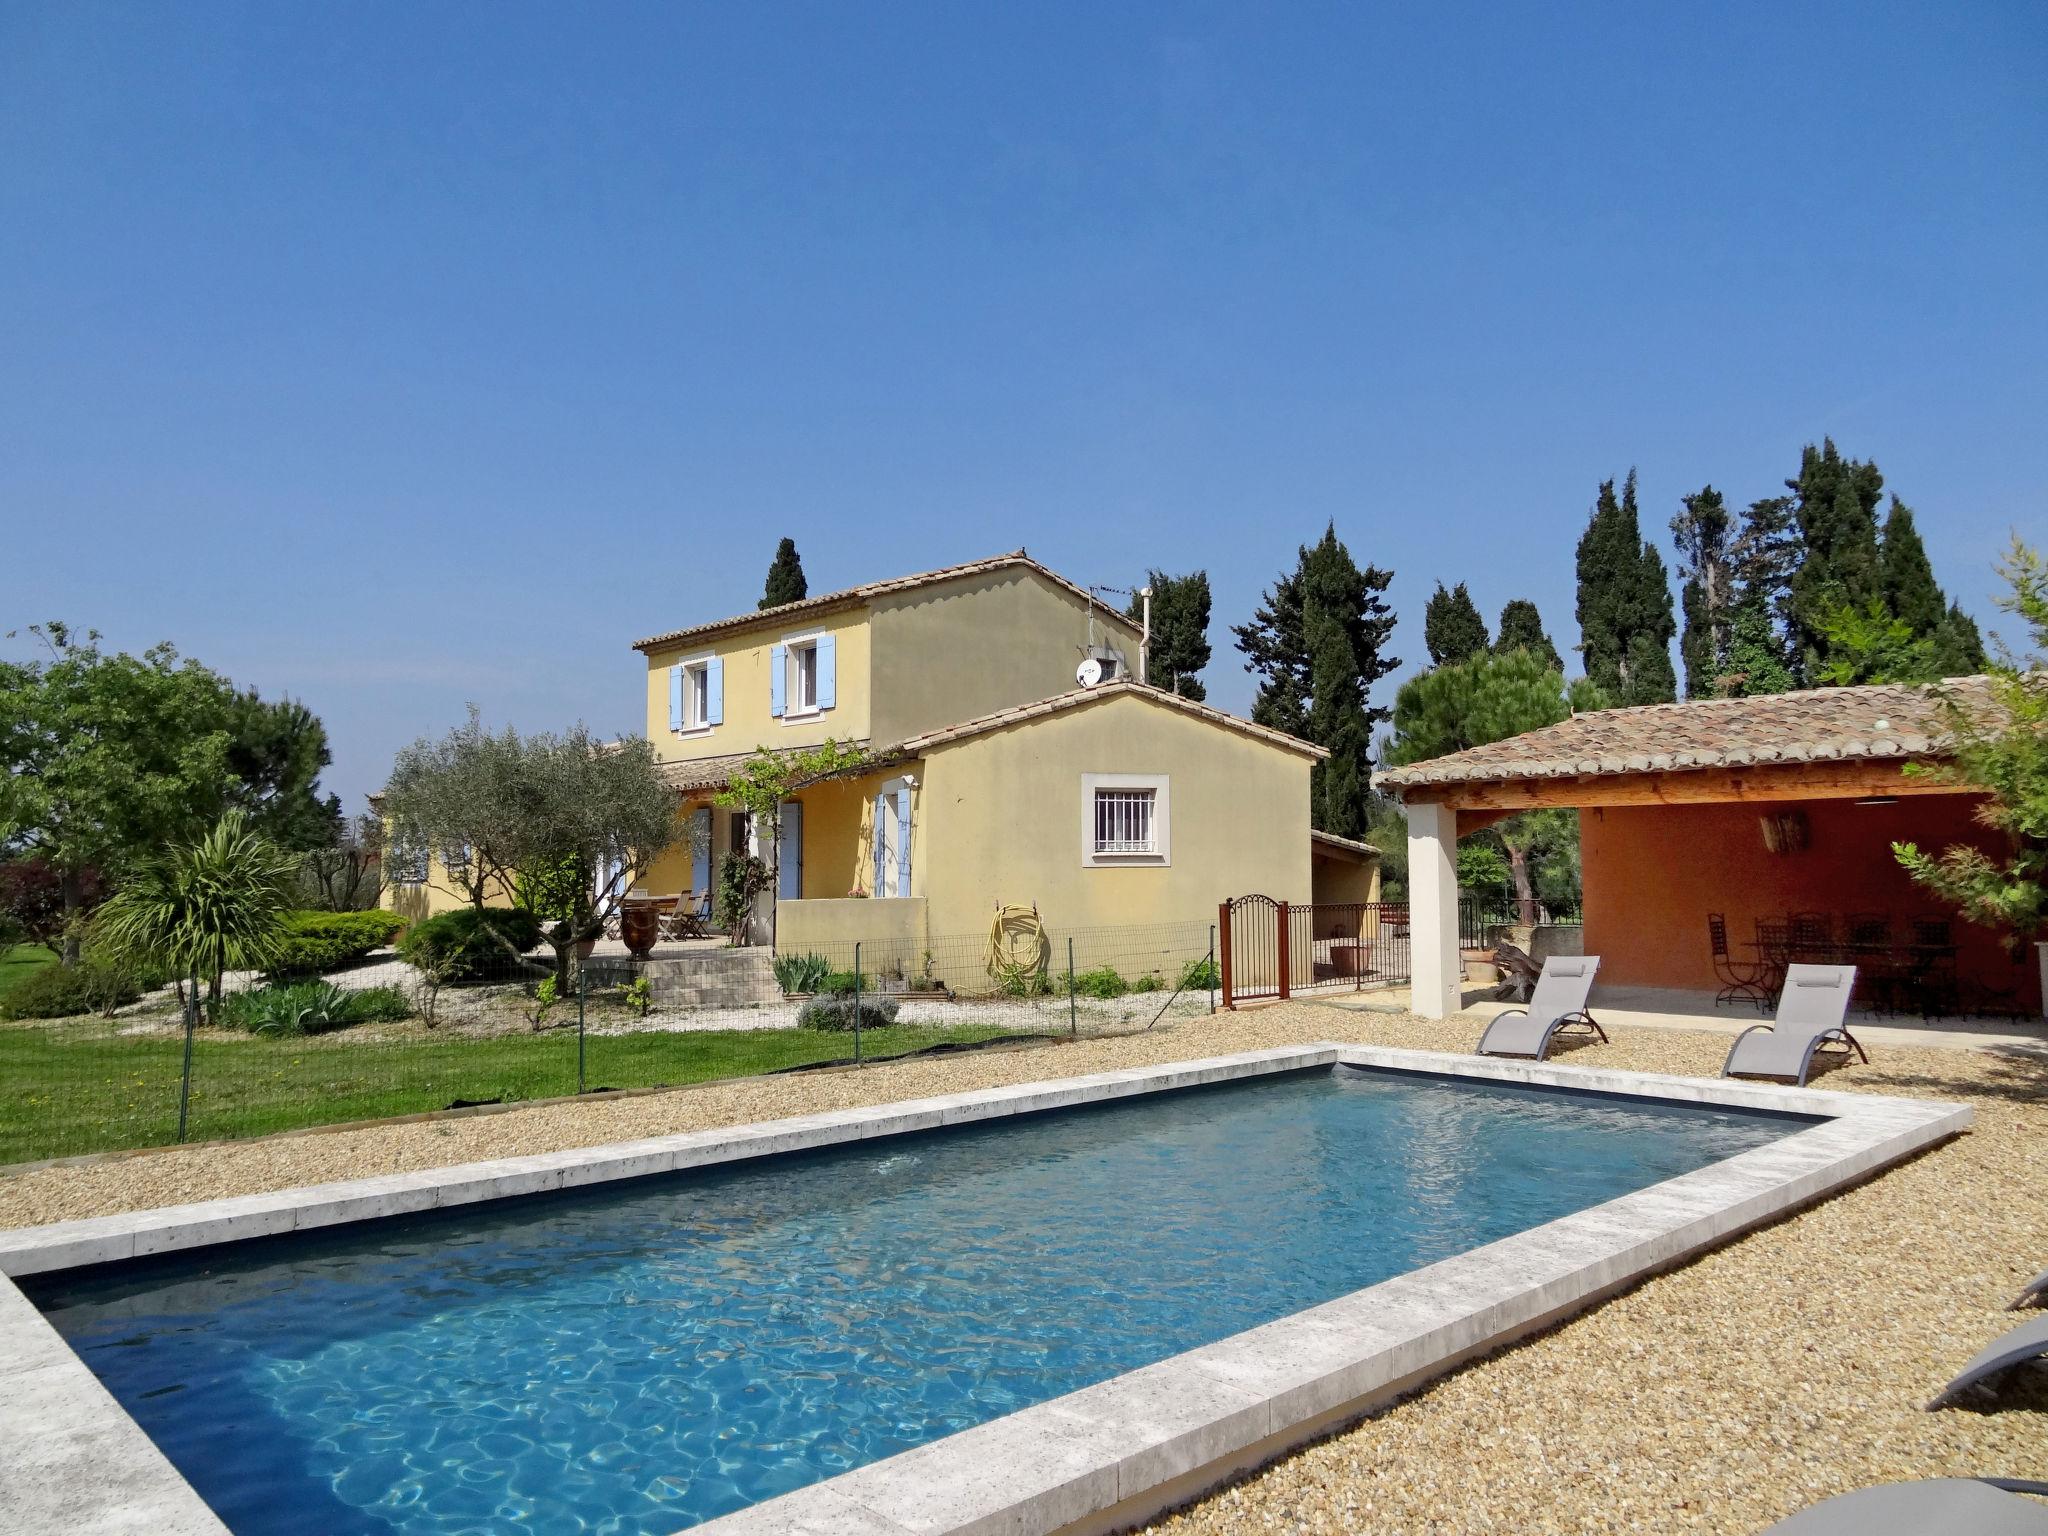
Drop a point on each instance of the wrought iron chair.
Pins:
(1934, 986)
(1774, 955)
(1739, 978)
(1867, 945)
(1812, 938)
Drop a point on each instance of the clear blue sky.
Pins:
(397, 356)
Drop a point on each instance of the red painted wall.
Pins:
(1653, 873)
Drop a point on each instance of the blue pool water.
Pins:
(637, 1359)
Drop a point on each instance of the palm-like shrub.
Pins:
(219, 904)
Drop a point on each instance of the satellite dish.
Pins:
(1091, 672)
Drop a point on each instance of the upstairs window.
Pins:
(803, 677)
(696, 694)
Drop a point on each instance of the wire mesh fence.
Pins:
(381, 1038)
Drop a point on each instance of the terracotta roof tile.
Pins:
(853, 596)
(1882, 721)
(1018, 714)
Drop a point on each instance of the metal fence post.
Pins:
(185, 1073)
(1286, 958)
(1073, 1018)
(1210, 970)
(1220, 935)
(582, 997)
(856, 1003)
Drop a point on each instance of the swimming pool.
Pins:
(642, 1357)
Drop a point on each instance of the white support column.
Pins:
(1433, 910)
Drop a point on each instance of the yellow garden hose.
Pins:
(1016, 949)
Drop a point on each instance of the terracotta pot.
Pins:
(640, 926)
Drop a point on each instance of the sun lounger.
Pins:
(1988, 1506)
(1810, 1013)
(2033, 1294)
(1558, 1003)
(2027, 1342)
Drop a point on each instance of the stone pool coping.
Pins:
(1095, 1459)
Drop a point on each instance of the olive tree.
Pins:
(568, 823)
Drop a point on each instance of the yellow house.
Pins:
(1015, 756)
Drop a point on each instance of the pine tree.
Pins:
(1521, 629)
(1179, 647)
(1452, 627)
(1315, 644)
(786, 582)
(1704, 532)
(1624, 608)
(1835, 504)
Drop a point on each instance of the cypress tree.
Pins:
(1909, 589)
(1180, 632)
(1704, 532)
(1452, 627)
(1835, 504)
(1277, 654)
(1521, 629)
(1624, 608)
(786, 582)
(1958, 645)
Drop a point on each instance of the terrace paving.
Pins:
(1785, 1367)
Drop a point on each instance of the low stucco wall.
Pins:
(892, 932)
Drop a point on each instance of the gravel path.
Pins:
(1776, 1371)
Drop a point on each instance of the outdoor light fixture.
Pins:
(1879, 800)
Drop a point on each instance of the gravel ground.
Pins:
(1783, 1368)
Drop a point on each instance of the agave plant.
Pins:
(219, 904)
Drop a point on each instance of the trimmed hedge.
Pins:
(469, 944)
(326, 941)
(62, 991)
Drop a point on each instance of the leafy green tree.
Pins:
(1521, 629)
(1487, 699)
(106, 757)
(523, 810)
(1835, 505)
(1452, 627)
(1705, 533)
(1871, 645)
(219, 904)
(2001, 750)
(786, 583)
(1179, 647)
(1624, 609)
(1756, 661)
(1316, 645)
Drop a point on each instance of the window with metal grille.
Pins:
(1124, 821)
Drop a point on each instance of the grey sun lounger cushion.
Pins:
(2033, 1294)
(1559, 1002)
(1939, 1506)
(1810, 1014)
(2027, 1342)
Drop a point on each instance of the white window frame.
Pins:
(1161, 854)
(696, 671)
(793, 712)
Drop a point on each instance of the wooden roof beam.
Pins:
(1694, 786)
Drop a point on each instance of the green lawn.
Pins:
(71, 1086)
(22, 960)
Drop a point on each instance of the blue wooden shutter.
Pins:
(828, 671)
(903, 841)
(789, 856)
(881, 843)
(700, 850)
(714, 691)
(778, 664)
(675, 697)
